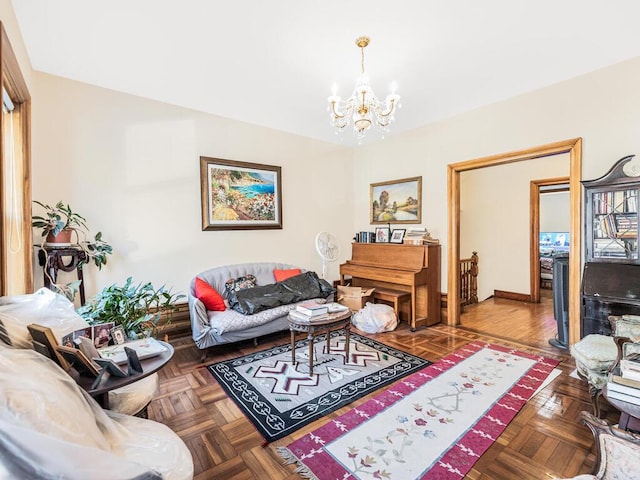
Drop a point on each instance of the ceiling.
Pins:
(274, 63)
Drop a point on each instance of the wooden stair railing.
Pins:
(469, 280)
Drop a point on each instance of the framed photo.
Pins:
(240, 195)
(110, 366)
(44, 342)
(397, 235)
(118, 336)
(133, 362)
(397, 201)
(78, 360)
(87, 347)
(102, 334)
(382, 234)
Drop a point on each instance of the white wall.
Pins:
(131, 167)
(602, 107)
(554, 212)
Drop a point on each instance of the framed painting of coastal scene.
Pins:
(240, 195)
(397, 201)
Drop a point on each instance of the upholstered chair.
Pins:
(55, 312)
(51, 428)
(617, 451)
(596, 355)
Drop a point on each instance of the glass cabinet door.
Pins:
(615, 224)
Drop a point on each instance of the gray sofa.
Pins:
(215, 328)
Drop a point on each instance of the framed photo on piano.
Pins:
(396, 201)
(382, 234)
(397, 235)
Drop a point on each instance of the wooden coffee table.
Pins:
(335, 321)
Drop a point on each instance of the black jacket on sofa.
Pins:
(294, 289)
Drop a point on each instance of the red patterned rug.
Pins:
(435, 423)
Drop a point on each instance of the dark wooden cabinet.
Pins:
(611, 219)
(608, 289)
(611, 276)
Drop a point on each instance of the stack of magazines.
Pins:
(624, 381)
(310, 312)
(419, 236)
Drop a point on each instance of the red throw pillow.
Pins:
(208, 295)
(281, 275)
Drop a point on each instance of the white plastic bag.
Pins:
(43, 307)
(375, 318)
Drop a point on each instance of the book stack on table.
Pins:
(310, 312)
(624, 381)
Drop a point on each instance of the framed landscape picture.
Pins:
(397, 201)
(240, 195)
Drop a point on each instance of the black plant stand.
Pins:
(53, 258)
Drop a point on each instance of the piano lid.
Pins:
(613, 280)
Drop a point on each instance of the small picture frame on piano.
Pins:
(382, 234)
(397, 235)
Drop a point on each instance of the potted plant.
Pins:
(60, 222)
(135, 307)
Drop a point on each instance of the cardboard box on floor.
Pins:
(354, 297)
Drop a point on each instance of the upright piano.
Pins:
(408, 268)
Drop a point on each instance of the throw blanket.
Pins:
(294, 289)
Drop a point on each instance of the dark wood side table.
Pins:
(629, 412)
(67, 259)
(149, 366)
(312, 328)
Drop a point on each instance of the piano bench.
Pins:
(393, 296)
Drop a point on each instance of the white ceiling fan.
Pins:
(328, 249)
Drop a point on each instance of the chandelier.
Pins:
(363, 106)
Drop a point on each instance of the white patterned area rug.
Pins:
(435, 423)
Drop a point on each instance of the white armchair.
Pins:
(51, 428)
(53, 311)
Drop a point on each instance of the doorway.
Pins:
(538, 188)
(574, 148)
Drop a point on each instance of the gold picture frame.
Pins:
(240, 195)
(396, 201)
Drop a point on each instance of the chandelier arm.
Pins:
(336, 114)
(389, 111)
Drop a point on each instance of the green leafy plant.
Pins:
(69, 290)
(136, 307)
(58, 218)
(61, 217)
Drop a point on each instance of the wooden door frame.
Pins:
(12, 80)
(534, 241)
(574, 148)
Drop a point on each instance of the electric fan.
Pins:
(328, 249)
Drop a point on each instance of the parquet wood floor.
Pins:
(544, 441)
